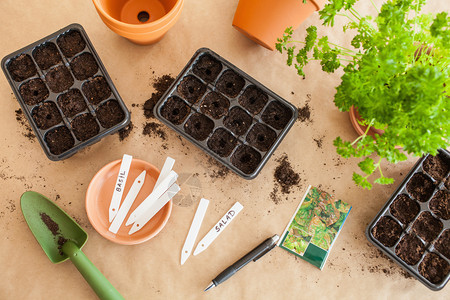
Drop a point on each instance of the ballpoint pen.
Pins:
(253, 255)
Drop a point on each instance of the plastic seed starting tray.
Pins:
(65, 92)
(413, 228)
(226, 113)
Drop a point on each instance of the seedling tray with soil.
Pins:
(65, 92)
(226, 113)
(413, 228)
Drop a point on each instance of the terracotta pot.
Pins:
(264, 21)
(360, 129)
(141, 21)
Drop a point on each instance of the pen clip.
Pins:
(264, 252)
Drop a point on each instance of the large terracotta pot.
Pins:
(141, 21)
(360, 129)
(264, 21)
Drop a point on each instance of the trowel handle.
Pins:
(102, 287)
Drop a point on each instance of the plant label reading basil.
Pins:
(218, 228)
(120, 185)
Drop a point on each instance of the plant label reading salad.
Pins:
(315, 226)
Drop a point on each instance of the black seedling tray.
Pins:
(226, 113)
(429, 233)
(65, 92)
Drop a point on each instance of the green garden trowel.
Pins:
(61, 238)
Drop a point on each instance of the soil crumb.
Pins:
(304, 113)
(217, 170)
(319, 141)
(285, 176)
(51, 225)
(125, 132)
(154, 129)
(161, 84)
(20, 117)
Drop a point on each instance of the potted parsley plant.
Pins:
(396, 75)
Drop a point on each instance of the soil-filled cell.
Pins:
(436, 166)
(404, 208)
(207, 68)
(59, 140)
(199, 126)
(410, 249)
(434, 268)
(33, 91)
(110, 113)
(427, 227)
(238, 121)
(420, 187)
(21, 67)
(261, 137)
(276, 115)
(222, 142)
(447, 183)
(253, 99)
(387, 231)
(246, 159)
(71, 103)
(46, 55)
(230, 83)
(84, 66)
(215, 105)
(46, 115)
(191, 89)
(84, 127)
(440, 205)
(96, 90)
(175, 110)
(71, 43)
(443, 244)
(59, 79)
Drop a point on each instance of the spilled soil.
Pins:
(125, 132)
(285, 179)
(304, 113)
(161, 84)
(153, 129)
(22, 120)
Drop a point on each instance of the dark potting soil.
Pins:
(285, 175)
(84, 127)
(71, 103)
(238, 121)
(304, 113)
(222, 142)
(84, 66)
(246, 159)
(21, 67)
(199, 126)
(436, 167)
(59, 79)
(46, 115)
(443, 244)
(110, 113)
(175, 110)
(440, 204)
(404, 208)
(261, 137)
(20, 117)
(59, 140)
(125, 132)
(387, 231)
(230, 83)
(71, 43)
(420, 187)
(207, 68)
(447, 183)
(215, 105)
(276, 115)
(154, 129)
(427, 227)
(191, 89)
(161, 84)
(46, 55)
(253, 99)
(51, 225)
(33, 91)
(434, 268)
(410, 249)
(96, 90)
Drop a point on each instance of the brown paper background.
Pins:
(152, 270)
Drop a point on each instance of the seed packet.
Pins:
(314, 227)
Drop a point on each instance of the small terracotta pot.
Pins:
(264, 21)
(141, 21)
